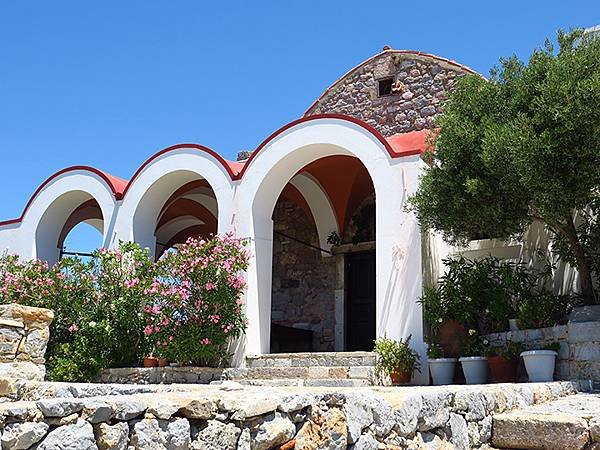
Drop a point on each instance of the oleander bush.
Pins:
(120, 306)
(195, 308)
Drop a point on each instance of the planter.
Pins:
(162, 362)
(150, 361)
(475, 369)
(442, 370)
(502, 370)
(539, 364)
(400, 377)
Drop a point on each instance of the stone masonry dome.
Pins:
(395, 91)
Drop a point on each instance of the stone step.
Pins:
(571, 422)
(309, 373)
(321, 359)
(299, 382)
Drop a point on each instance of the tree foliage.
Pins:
(520, 147)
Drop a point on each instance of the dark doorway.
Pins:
(360, 301)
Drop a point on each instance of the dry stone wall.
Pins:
(24, 334)
(420, 85)
(231, 417)
(579, 353)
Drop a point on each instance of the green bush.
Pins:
(483, 294)
(542, 309)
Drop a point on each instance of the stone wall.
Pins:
(232, 417)
(421, 83)
(303, 279)
(24, 334)
(579, 354)
(164, 375)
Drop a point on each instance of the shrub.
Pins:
(395, 356)
(543, 309)
(25, 282)
(98, 313)
(483, 294)
(195, 309)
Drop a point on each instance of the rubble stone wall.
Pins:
(579, 354)
(421, 84)
(24, 334)
(304, 281)
(232, 417)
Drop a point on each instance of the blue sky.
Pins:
(110, 83)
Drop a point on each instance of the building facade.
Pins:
(336, 258)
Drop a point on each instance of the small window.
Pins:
(385, 86)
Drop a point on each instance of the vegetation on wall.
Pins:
(523, 146)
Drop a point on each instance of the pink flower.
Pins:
(210, 286)
(131, 283)
(205, 341)
(73, 328)
(148, 330)
(156, 309)
(214, 318)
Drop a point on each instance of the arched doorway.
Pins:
(73, 224)
(82, 232)
(175, 207)
(323, 282)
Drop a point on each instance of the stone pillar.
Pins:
(24, 334)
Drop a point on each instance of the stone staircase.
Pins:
(341, 369)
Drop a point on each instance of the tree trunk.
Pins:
(582, 262)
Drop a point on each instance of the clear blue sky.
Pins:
(109, 83)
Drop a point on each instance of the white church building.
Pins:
(336, 258)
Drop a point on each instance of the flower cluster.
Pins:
(28, 282)
(195, 308)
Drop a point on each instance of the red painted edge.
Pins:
(390, 149)
(229, 166)
(235, 170)
(114, 183)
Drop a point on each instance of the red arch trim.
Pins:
(235, 170)
(116, 185)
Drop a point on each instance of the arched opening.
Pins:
(176, 207)
(73, 225)
(323, 264)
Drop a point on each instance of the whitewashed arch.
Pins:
(52, 205)
(398, 246)
(158, 179)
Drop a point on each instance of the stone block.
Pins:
(522, 430)
(583, 332)
(586, 351)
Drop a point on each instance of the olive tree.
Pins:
(519, 147)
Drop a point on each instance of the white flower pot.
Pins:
(539, 364)
(475, 369)
(512, 325)
(442, 370)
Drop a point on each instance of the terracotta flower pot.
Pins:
(150, 361)
(502, 370)
(162, 362)
(400, 377)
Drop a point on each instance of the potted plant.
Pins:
(474, 364)
(395, 359)
(441, 369)
(502, 361)
(150, 361)
(540, 363)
